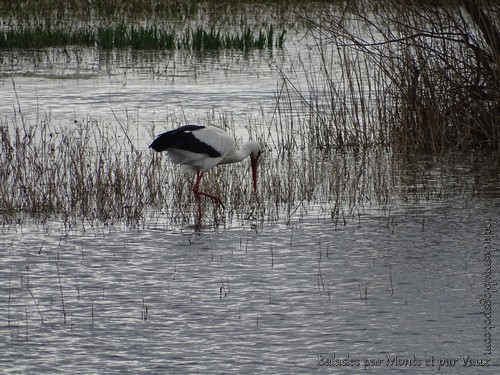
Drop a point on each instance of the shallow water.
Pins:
(139, 88)
(271, 298)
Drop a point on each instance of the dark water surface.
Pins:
(274, 298)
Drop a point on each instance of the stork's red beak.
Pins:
(255, 164)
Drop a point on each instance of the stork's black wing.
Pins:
(184, 138)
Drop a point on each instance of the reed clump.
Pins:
(200, 39)
(91, 173)
(88, 173)
(417, 77)
(78, 173)
(139, 37)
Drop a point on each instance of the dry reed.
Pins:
(417, 76)
(88, 173)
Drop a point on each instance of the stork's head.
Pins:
(255, 152)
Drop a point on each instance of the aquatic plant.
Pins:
(144, 309)
(421, 77)
(149, 37)
(140, 25)
(81, 173)
(88, 172)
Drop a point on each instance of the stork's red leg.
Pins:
(197, 192)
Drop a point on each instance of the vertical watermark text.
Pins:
(489, 285)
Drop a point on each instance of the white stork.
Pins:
(200, 148)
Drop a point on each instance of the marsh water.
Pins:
(403, 287)
(279, 298)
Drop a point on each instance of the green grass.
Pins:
(201, 39)
(145, 24)
(149, 37)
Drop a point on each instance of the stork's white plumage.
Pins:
(201, 148)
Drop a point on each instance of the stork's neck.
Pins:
(241, 154)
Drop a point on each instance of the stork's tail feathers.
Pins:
(161, 143)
